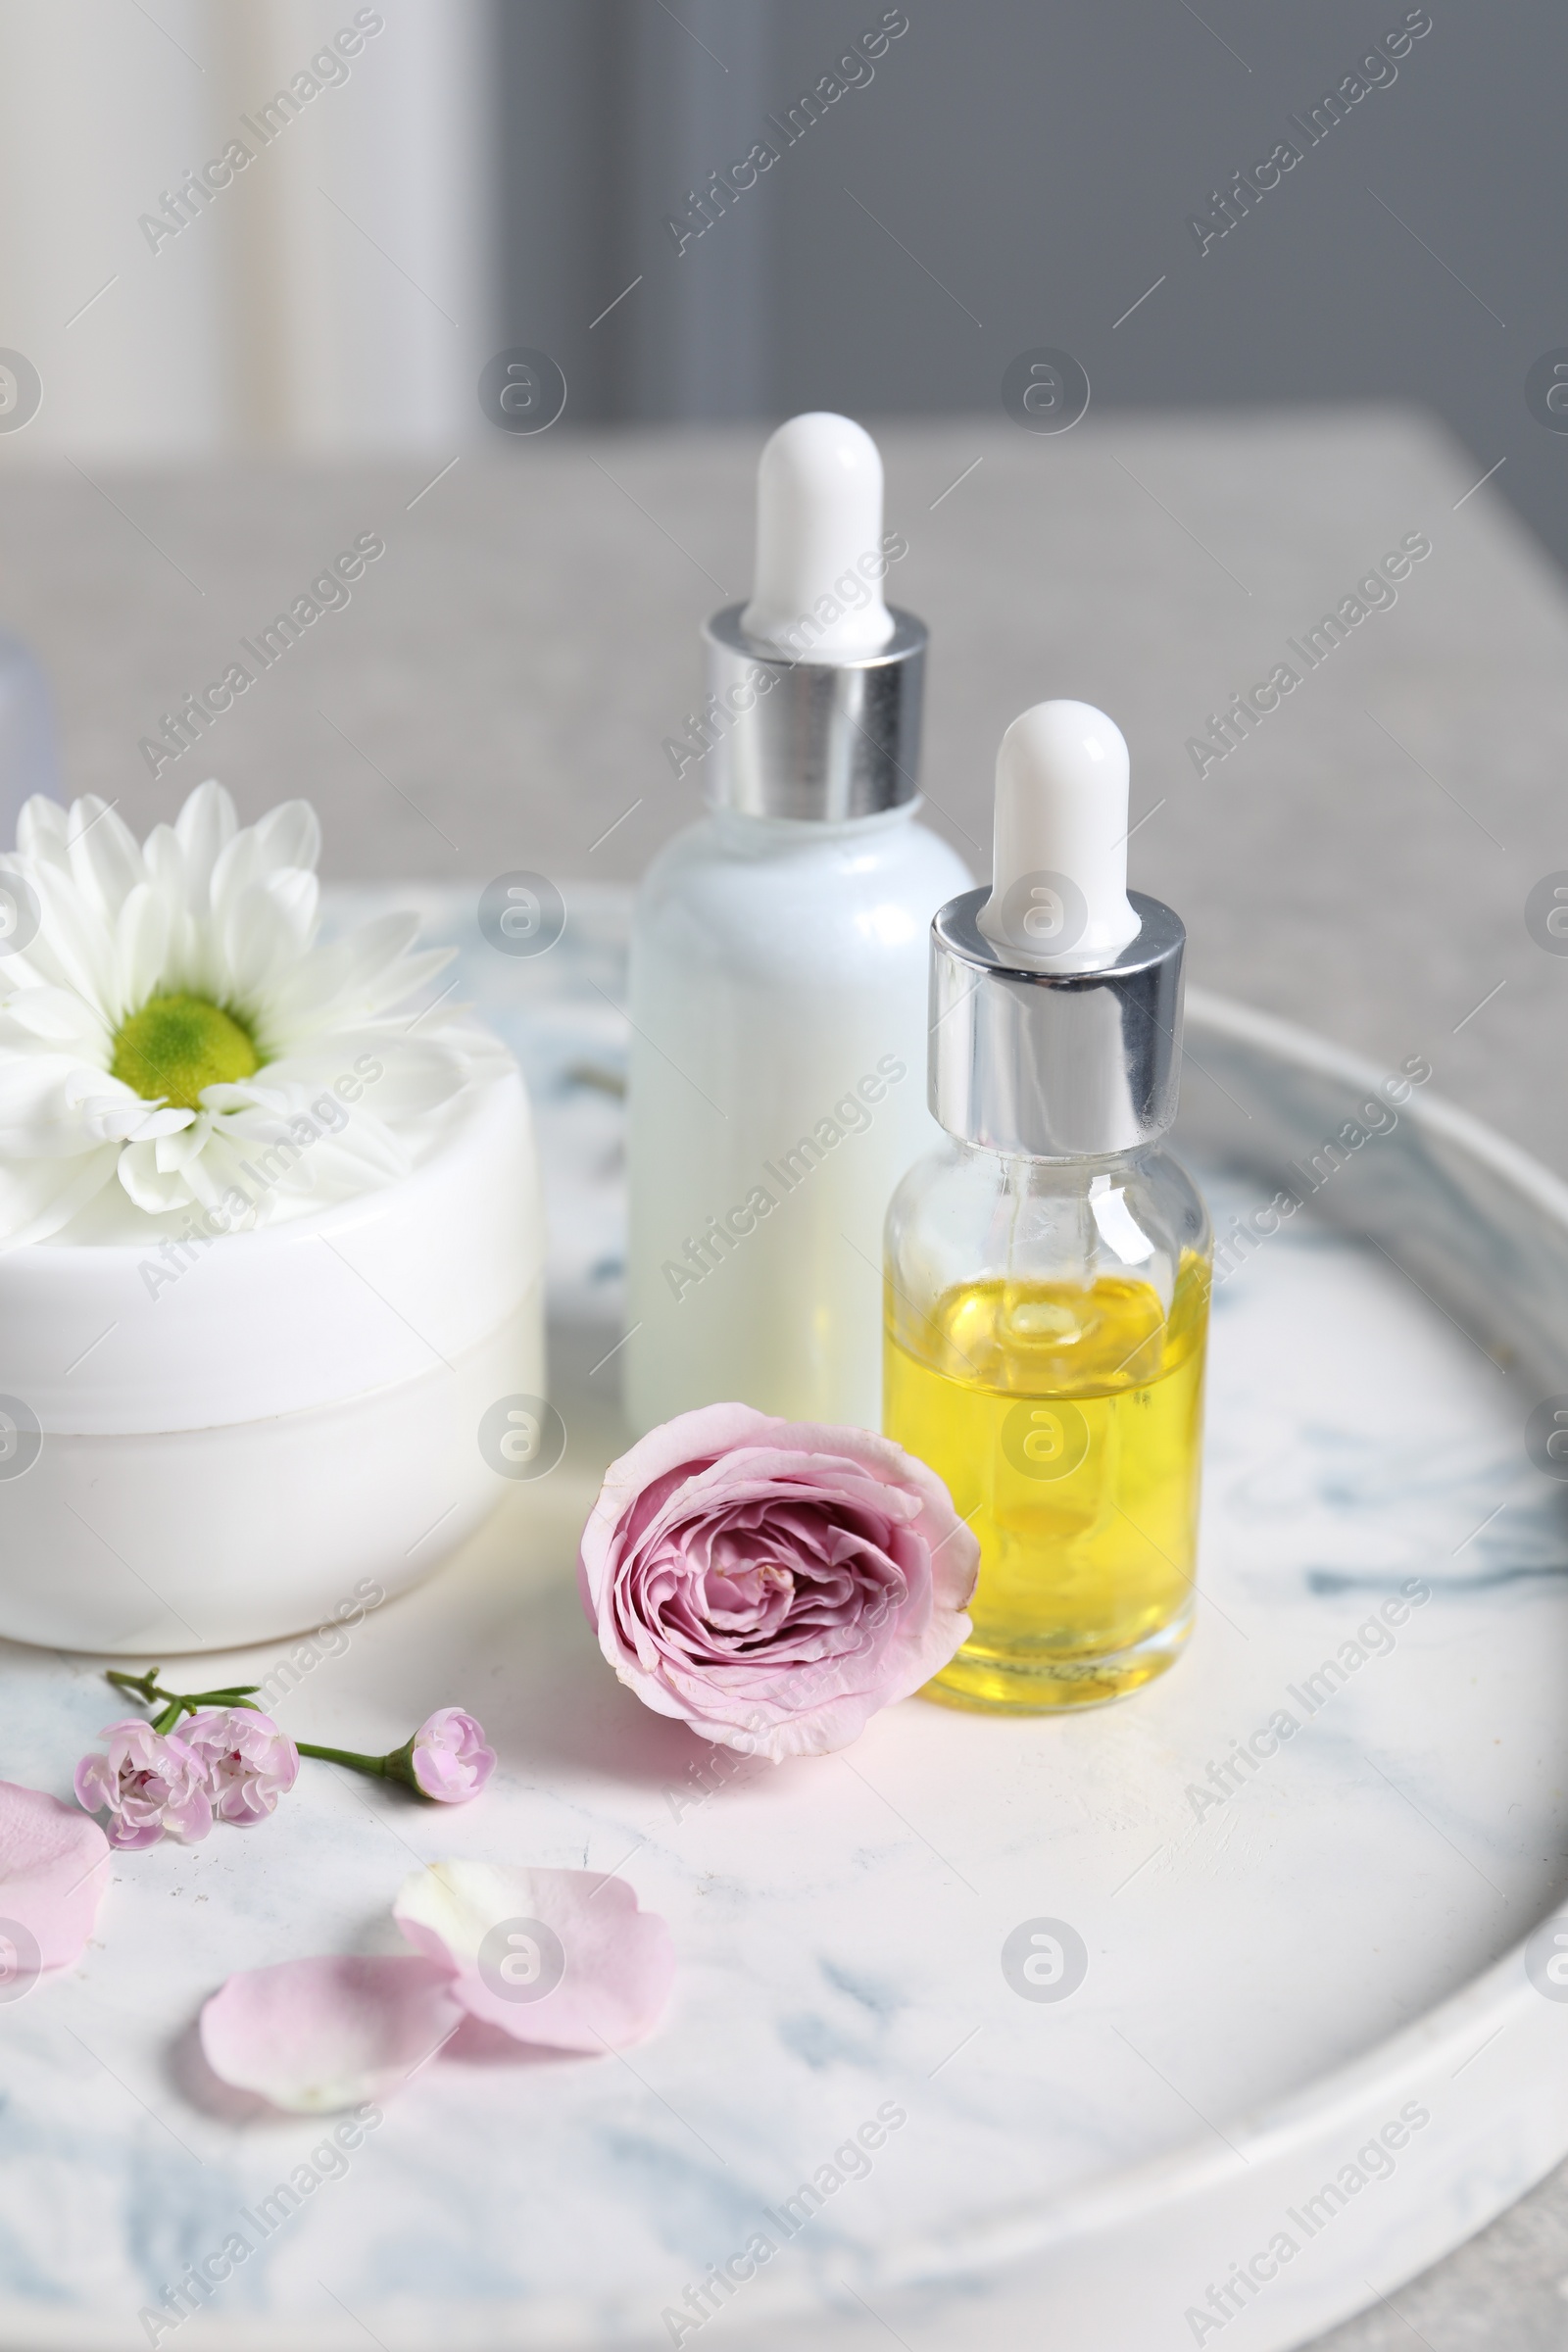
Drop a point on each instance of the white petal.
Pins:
(417, 1074)
(38, 1198)
(359, 1157)
(220, 1173)
(112, 1113)
(149, 1186)
(72, 948)
(238, 869)
(204, 830)
(42, 831)
(257, 944)
(304, 1003)
(36, 1119)
(53, 1106)
(106, 860)
(364, 1156)
(180, 1149)
(190, 965)
(250, 1120)
(478, 1049)
(141, 946)
(251, 1095)
(401, 982)
(349, 964)
(290, 835)
(297, 895)
(164, 860)
(58, 1016)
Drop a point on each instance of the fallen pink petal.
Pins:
(249, 1763)
(451, 1759)
(562, 1959)
(149, 1783)
(774, 1583)
(311, 2035)
(54, 1869)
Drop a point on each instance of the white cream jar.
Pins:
(232, 1455)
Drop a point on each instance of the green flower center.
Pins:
(178, 1044)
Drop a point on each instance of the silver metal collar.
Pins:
(824, 739)
(1054, 1065)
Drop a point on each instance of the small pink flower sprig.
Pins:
(230, 1762)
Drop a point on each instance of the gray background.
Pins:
(497, 694)
(1033, 167)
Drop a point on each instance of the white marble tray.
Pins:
(1271, 1980)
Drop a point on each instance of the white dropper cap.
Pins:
(1058, 893)
(818, 530)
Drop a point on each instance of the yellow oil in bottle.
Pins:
(1066, 1422)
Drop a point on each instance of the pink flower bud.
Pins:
(451, 1760)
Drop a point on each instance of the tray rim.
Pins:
(1083, 2225)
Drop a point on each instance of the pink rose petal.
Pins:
(313, 2034)
(558, 1957)
(54, 1868)
(774, 1583)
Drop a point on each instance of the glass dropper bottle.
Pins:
(1047, 1266)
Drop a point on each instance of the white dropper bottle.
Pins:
(778, 972)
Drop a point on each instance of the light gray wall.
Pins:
(1032, 168)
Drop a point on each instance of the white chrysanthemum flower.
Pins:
(172, 1038)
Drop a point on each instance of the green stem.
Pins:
(398, 1766)
(140, 1686)
(375, 1765)
(172, 1704)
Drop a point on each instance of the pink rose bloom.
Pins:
(249, 1763)
(449, 1759)
(773, 1583)
(149, 1782)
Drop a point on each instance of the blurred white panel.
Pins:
(276, 214)
(99, 109)
(360, 231)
